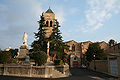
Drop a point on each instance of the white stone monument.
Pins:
(24, 50)
(25, 39)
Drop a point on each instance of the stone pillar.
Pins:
(47, 72)
(48, 44)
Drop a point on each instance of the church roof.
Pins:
(49, 11)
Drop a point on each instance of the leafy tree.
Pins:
(111, 42)
(94, 49)
(13, 52)
(40, 57)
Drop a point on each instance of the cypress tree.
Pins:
(39, 45)
(40, 42)
(57, 45)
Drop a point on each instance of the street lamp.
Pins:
(94, 62)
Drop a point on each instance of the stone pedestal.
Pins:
(27, 60)
(23, 54)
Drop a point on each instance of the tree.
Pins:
(57, 46)
(5, 57)
(13, 52)
(40, 57)
(94, 49)
(40, 42)
(111, 42)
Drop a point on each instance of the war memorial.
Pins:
(24, 68)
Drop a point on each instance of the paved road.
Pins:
(77, 74)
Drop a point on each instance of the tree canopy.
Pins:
(94, 49)
(40, 44)
(57, 45)
(111, 42)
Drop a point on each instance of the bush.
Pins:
(5, 57)
(40, 57)
(61, 62)
(14, 60)
(58, 62)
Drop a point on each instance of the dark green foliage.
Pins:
(13, 52)
(95, 49)
(40, 42)
(58, 62)
(57, 45)
(40, 57)
(5, 57)
(111, 42)
(14, 60)
(39, 46)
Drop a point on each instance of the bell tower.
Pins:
(49, 17)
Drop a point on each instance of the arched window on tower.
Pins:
(46, 23)
(73, 47)
(50, 23)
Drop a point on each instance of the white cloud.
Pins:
(17, 17)
(74, 10)
(97, 26)
(109, 15)
(60, 14)
(98, 12)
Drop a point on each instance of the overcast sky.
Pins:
(80, 20)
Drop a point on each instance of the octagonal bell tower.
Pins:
(49, 17)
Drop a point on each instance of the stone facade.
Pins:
(49, 17)
(113, 53)
(114, 64)
(113, 49)
(74, 52)
(78, 50)
(101, 66)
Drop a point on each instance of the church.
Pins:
(76, 50)
(49, 17)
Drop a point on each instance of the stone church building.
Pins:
(77, 51)
(49, 17)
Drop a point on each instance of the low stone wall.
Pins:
(63, 69)
(101, 66)
(30, 71)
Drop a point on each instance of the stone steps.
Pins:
(58, 74)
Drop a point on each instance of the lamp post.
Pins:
(94, 62)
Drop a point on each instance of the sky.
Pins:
(80, 20)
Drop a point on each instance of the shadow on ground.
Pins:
(77, 74)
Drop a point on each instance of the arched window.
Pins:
(73, 47)
(50, 23)
(46, 23)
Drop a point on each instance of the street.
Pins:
(77, 74)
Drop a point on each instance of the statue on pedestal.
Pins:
(24, 50)
(25, 39)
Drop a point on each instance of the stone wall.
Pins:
(30, 71)
(101, 66)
